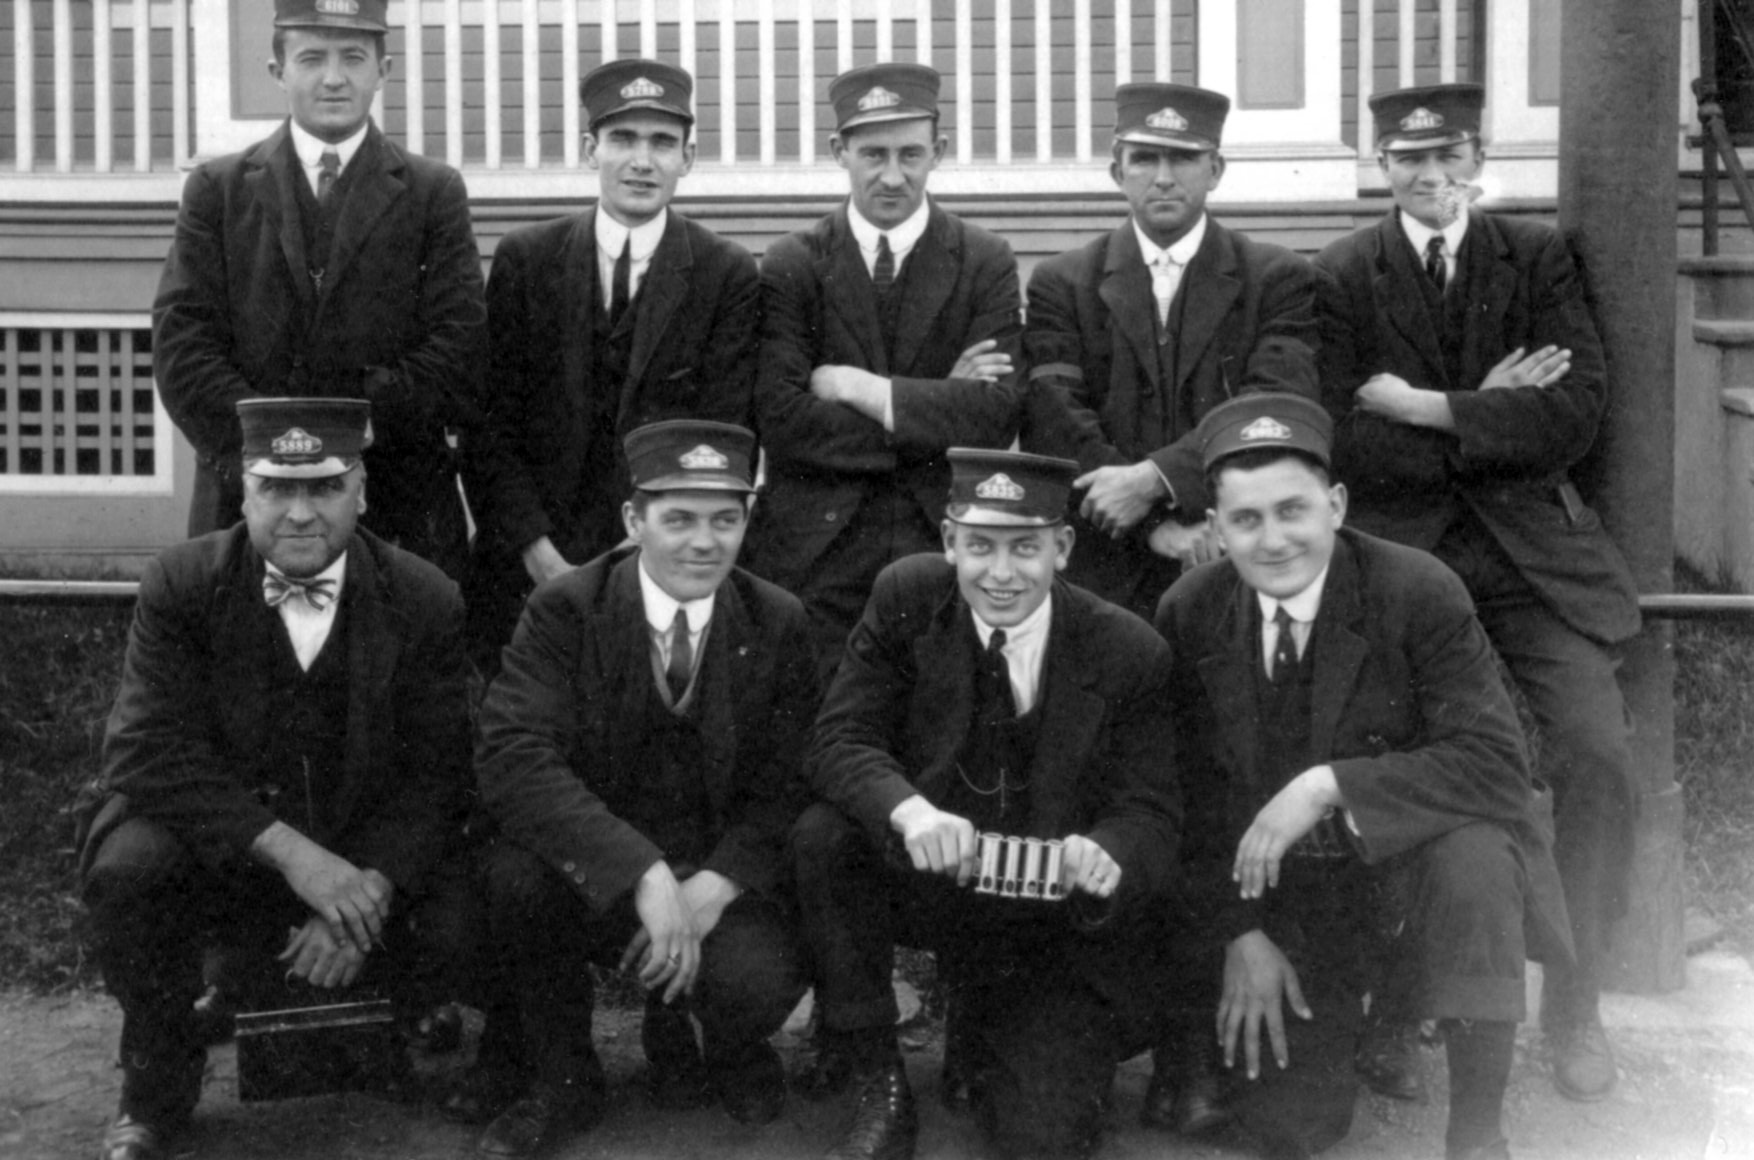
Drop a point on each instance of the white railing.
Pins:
(140, 87)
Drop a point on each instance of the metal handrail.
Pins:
(1715, 143)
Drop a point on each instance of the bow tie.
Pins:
(316, 591)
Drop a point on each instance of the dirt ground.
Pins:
(1686, 1091)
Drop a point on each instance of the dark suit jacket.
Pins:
(562, 751)
(695, 327)
(824, 459)
(897, 715)
(400, 321)
(189, 724)
(1408, 708)
(1245, 319)
(1509, 457)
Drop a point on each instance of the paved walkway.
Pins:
(1687, 1091)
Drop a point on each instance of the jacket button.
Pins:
(579, 878)
(569, 867)
(829, 516)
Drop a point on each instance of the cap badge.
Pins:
(878, 98)
(1167, 118)
(1000, 486)
(1420, 119)
(704, 458)
(642, 88)
(1266, 427)
(338, 7)
(296, 441)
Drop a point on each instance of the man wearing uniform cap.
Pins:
(1353, 766)
(600, 322)
(287, 751)
(326, 260)
(1466, 379)
(980, 692)
(890, 334)
(641, 756)
(1133, 337)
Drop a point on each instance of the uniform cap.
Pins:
(636, 85)
(356, 15)
(1008, 488)
(304, 438)
(1427, 117)
(883, 92)
(1268, 419)
(1175, 116)
(691, 455)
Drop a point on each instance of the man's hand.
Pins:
(1191, 544)
(1541, 369)
(706, 895)
(981, 361)
(667, 948)
(543, 561)
(1293, 812)
(1395, 398)
(313, 954)
(864, 392)
(1087, 866)
(937, 842)
(1257, 978)
(1119, 497)
(354, 902)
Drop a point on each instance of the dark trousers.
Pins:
(751, 973)
(1048, 1039)
(1569, 682)
(155, 910)
(1454, 909)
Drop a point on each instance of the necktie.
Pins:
(331, 170)
(315, 591)
(681, 665)
(1285, 651)
(1434, 267)
(1166, 276)
(997, 696)
(619, 295)
(883, 273)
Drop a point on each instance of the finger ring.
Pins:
(674, 958)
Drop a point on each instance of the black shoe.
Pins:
(830, 1072)
(482, 1094)
(1387, 1059)
(676, 1080)
(885, 1124)
(131, 1138)
(1185, 1095)
(538, 1119)
(751, 1083)
(1583, 1060)
(439, 1030)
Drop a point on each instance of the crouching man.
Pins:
(981, 695)
(288, 752)
(640, 752)
(1354, 772)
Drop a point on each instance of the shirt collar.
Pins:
(311, 148)
(612, 236)
(902, 238)
(1302, 607)
(1181, 252)
(1421, 234)
(661, 606)
(336, 572)
(1033, 627)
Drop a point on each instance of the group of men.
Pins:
(1139, 655)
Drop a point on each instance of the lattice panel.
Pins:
(76, 402)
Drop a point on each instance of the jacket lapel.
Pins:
(1491, 284)
(623, 667)
(1209, 288)
(376, 186)
(1399, 300)
(374, 647)
(1071, 716)
(848, 293)
(273, 169)
(718, 684)
(1126, 290)
(661, 292)
(1228, 674)
(1340, 650)
(929, 278)
(578, 303)
(944, 695)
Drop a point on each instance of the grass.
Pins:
(59, 669)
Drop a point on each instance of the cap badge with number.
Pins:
(1167, 119)
(643, 87)
(296, 441)
(704, 458)
(1000, 486)
(1421, 119)
(878, 98)
(1266, 427)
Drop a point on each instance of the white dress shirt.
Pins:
(1166, 265)
(1025, 646)
(902, 238)
(1421, 234)
(1302, 609)
(310, 151)
(308, 628)
(611, 237)
(661, 617)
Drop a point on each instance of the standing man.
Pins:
(326, 260)
(981, 693)
(641, 754)
(287, 752)
(1353, 765)
(1135, 336)
(890, 334)
(1464, 371)
(598, 323)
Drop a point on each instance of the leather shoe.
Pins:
(751, 1083)
(130, 1138)
(480, 1095)
(439, 1030)
(885, 1123)
(537, 1119)
(1583, 1060)
(1387, 1059)
(1185, 1095)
